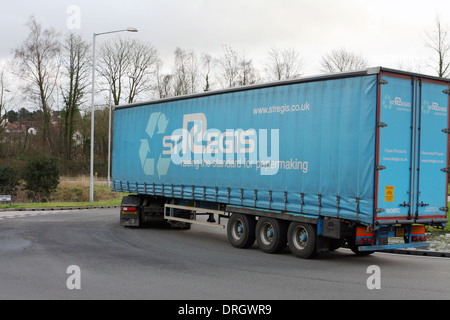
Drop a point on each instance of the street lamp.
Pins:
(109, 138)
(2, 103)
(93, 107)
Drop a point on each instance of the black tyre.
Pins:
(302, 240)
(336, 244)
(271, 235)
(241, 230)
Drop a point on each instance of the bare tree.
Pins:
(229, 67)
(207, 64)
(437, 40)
(76, 64)
(410, 65)
(186, 74)
(38, 65)
(129, 68)
(247, 73)
(142, 68)
(113, 65)
(342, 60)
(283, 64)
(235, 70)
(163, 82)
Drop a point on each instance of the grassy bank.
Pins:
(447, 227)
(44, 205)
(71, 192)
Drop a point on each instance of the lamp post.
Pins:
(109, 139)
(2, 105)
(93, 106)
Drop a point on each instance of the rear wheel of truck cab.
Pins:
(302, 239)
(241, 230)
(336, 244)
(271, 235)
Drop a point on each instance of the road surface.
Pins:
(37, 250)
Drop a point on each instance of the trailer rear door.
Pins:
(431, 182)
(412, 150)
(395, 147)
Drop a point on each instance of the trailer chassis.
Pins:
(306, 236)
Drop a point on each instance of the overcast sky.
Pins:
(388, 33)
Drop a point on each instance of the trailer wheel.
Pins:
(241, 230)
(271, 235)
(302, 239)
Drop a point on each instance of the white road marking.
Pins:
(25, 214)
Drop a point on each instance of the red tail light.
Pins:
(129, 210)
(418, 233)
(419, 238)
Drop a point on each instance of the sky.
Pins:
(389, 33)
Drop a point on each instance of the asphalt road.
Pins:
(36, 249)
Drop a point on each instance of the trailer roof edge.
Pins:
(323, 77)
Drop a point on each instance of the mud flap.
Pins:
(130, 211)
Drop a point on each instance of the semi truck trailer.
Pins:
(357, 159)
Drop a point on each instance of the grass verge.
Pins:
(112, 202)
(446, 229)
(71, 192)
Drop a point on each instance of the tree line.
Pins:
(54, 71)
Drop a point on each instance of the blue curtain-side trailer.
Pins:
(358, 159)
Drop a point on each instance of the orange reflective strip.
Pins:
(362, 232)
(418, 230)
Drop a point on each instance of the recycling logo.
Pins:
(387, 102)
(151, 163)
(426, 107)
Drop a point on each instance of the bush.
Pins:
(41, 178)
(9, 180)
